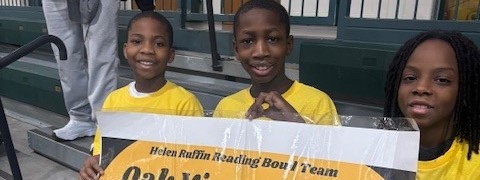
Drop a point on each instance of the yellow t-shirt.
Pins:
(170, 99)
(451, 165)
(315, 106)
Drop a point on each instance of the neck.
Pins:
(428, 154)
(150, 85)
(435, 136)
(279, 84)
(435, 141)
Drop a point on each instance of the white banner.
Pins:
(163, 146)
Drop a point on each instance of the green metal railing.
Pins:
(20, 2)
(357, 26)
(356, 20)
(300, 11)
(439, 10)
(315, 12)
(33, 3)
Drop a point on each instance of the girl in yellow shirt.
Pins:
(435, 79)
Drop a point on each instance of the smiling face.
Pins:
(429, 85)
(148, 50)
(261, 45)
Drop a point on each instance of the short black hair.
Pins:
(270, 5)
(466, 121)
(156, 16)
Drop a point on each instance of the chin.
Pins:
(422, 123)
(146, 77)
(261, 80)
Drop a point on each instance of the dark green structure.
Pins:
(351, 67)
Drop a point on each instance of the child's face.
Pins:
(147, 49)
(429, 85)
(261, 45)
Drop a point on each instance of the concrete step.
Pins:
(24, 74)
(208, 90)
(68, 153)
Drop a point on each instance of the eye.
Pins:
(408, 78)
(442, 80)
(247, 42)
(159, 44)
(272, 39)
(135, 41)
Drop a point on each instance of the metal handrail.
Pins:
(5, 61)
(216, 64)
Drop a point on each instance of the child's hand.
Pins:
(278, 109)
(91, 169)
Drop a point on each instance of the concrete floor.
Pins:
(32, 165)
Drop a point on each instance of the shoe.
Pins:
(75, 129)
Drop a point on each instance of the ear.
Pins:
(171, 55)
(235, 48)
(125, 50)
(289, 44)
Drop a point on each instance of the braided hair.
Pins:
(466, 120)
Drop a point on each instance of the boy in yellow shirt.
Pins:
(262, 41)
(434, 79)
(148, 50)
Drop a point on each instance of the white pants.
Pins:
(90, 72)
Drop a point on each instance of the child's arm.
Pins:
(278, 109)
(91, 169)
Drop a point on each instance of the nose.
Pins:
(147, 48)
(422, 87)
(261, 50)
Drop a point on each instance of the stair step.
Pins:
(68, 153)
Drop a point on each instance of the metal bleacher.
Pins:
(319, 59)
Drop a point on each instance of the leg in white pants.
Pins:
(102, 53)
(85, 81)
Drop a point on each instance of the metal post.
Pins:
(478, 11)
(10, 149)
(440, 12)
(183, 13)
(379, 8)
(213, 39)
(416, 9)
(396, 9)
(334, 10)
(361, 8)
(289, 7)
(5, 61)
(303, 7)
(457, 5)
